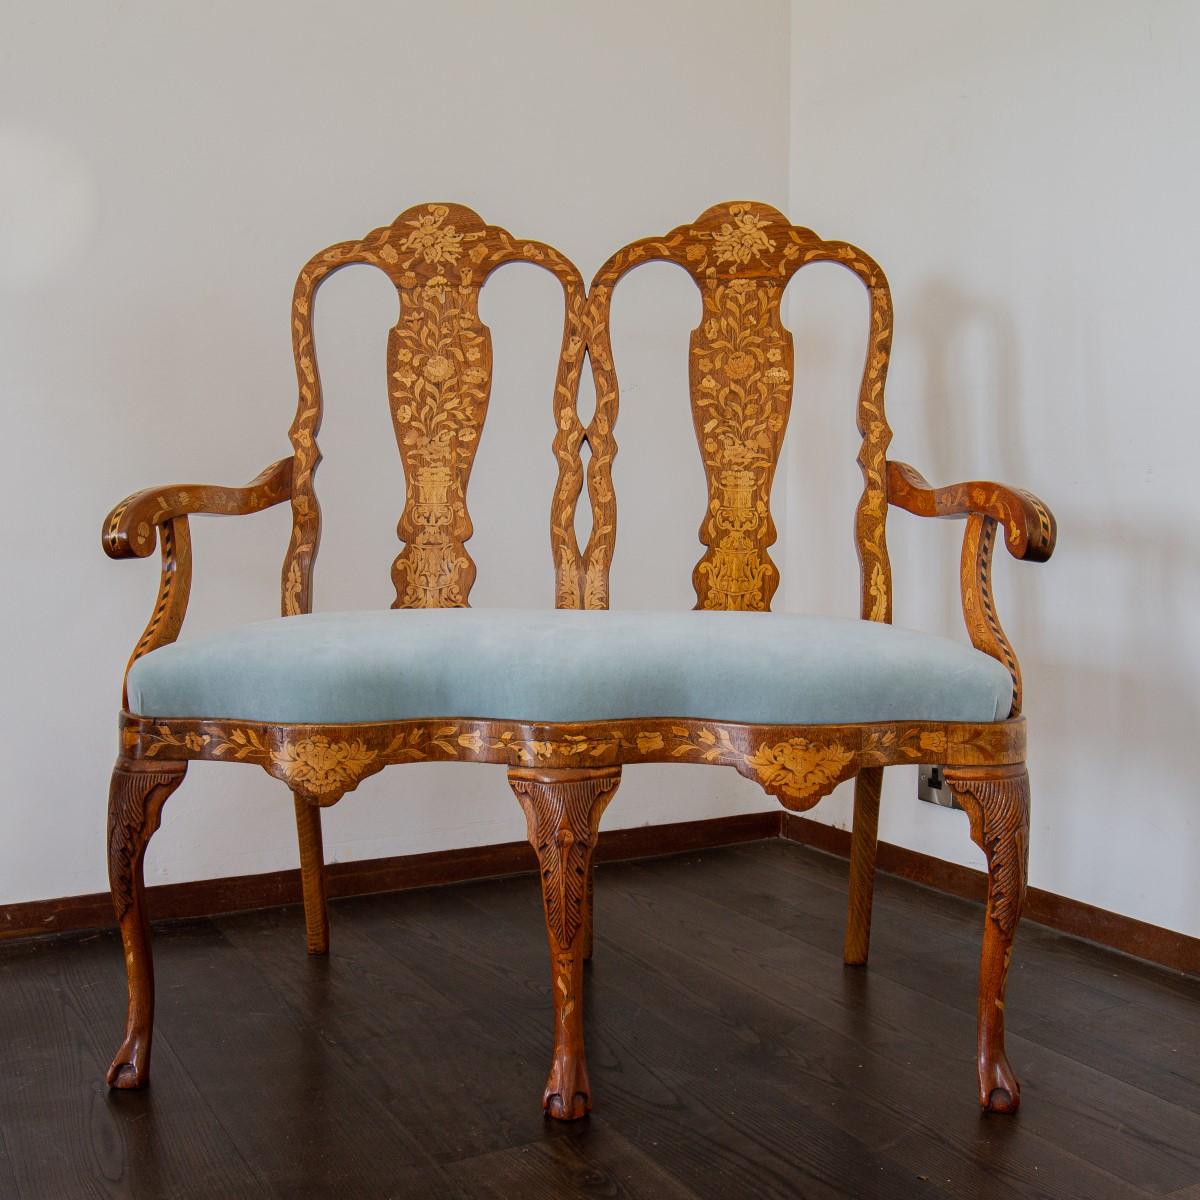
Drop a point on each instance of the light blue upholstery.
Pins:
(546, 666)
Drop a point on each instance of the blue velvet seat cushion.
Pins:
(547, 666)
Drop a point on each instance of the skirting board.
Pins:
(209, 897)
(1163, 946)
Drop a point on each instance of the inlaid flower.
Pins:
(438, 369)
(777, 376)
(318, 765)
(433, 240)
(742, 239)
(798, 767)
(649, 741)
(739, 364)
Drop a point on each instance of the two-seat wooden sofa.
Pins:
(565, 698)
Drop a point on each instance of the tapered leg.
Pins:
(997, 802)
(863, 845)
(563, 810)
(136, 796)
(312, 875)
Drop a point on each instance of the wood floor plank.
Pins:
(385, 1019)
(663, 1040)
(731, 1054)
(289, 1101)
(68, 998)
(585, 1158)
(904, 1034)
(1121, 976)
(1089, 1100)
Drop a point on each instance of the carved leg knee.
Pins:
(997, 802)
(312, 875)
(136, 796)
(563, 810)
(863, 846)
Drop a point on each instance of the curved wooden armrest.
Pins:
(130, 530)
(1029, 533)
(1029, 526)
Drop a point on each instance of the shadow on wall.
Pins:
(1101, 638)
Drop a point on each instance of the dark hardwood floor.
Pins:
(731, 1053)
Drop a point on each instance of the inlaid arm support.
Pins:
(1029, 533)
(1029, 527)
(130, 529)
(161, 515)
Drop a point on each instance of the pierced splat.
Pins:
(742, 256)
(439, 363)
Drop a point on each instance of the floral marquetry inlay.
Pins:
(438, 256)
(742, 256)
(441, 358)
(797, 765)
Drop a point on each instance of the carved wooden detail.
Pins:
(563, 811)
(135, 800)
(742, 256)
(997, 803)
(998, 807)
(134, 810)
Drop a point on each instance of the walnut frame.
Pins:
(741, 256)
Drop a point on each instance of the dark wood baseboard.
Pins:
(208, 897)
(1163, 946)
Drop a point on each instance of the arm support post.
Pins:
(1029, 533)
(161, 515)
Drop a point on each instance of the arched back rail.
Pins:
(439, 366)
(742, 256)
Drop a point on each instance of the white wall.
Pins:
(165, 170)
(1028, 175)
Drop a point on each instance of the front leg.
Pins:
(135, 799)
(997, 802)
(563, 810)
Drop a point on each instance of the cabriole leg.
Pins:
(997, 802)
(136, 796)
(312, 875)
(563, 810)
(863, 846)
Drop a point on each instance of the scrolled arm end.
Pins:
(1030, 530)
(131, 529)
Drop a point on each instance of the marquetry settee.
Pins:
(566, 697)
